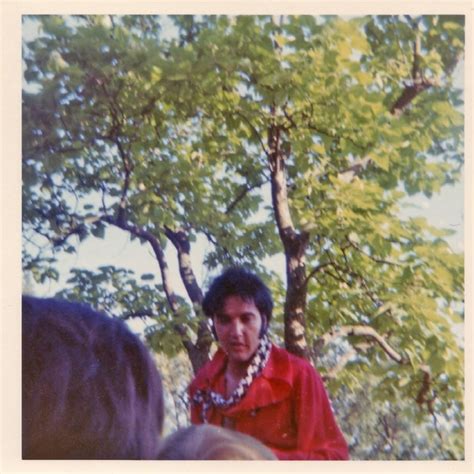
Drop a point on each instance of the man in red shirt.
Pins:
(255, 387)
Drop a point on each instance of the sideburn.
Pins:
(264, 327)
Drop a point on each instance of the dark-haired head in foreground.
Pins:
(207, 442)
(90, 389)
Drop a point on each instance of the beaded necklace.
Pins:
(207, 398)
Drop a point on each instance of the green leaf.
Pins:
(98, 230)
(147, 276)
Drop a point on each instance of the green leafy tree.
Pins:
(299, 135)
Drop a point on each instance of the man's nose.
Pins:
(237, 328)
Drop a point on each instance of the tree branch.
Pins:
(356, 169)
(419, 82)
(142, 314)
(371, 257)
(165, 275)
(376, 338)
(245, 190)
(316, 270)
(327, 133)
(58, 241)
(157, 250)
(254, 130)
(289, 118)
(364, 331)
(181, 242)
(211, 238)
(353, 274)
(342, 362)
(408, 95)
(127, 169)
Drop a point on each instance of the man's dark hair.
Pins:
(90, 389)
(236, 281)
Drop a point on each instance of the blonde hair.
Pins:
(207, 442)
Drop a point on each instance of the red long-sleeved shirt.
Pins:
(286, 408)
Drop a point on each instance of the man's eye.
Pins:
(222, 319)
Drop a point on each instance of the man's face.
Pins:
(238, 325)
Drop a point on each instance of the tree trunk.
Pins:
(294, 245)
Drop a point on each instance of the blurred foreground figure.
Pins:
(206, 442)
(90, 389)
(255, 387)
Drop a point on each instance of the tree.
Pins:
(172, 137)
